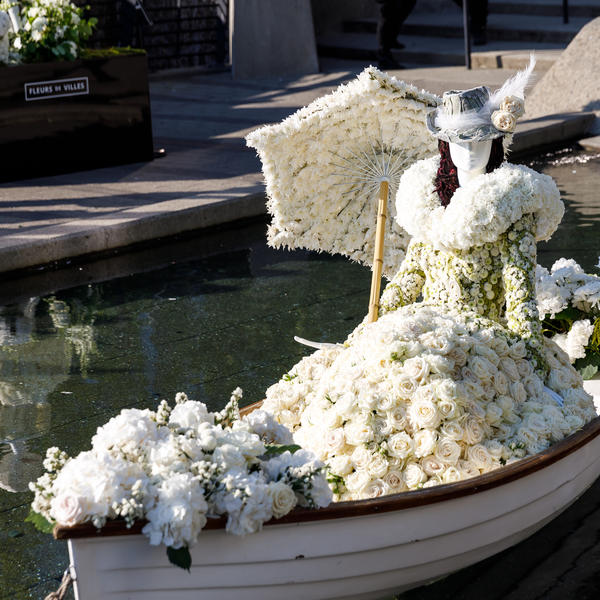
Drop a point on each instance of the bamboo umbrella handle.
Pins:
(378, 257)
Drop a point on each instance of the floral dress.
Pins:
(455, 378)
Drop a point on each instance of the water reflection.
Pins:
(34, 361)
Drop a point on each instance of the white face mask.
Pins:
(470, 158)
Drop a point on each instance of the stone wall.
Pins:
(184, 32)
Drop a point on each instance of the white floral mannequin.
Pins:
(453, 385)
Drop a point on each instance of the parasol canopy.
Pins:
(324, 164)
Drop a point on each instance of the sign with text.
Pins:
(44, 90)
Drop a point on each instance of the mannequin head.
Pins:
(446, 181)
(470, 158)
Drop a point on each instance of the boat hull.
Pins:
(361, 556)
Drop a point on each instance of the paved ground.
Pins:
(208, 176)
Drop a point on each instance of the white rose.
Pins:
(447, 408)
(474, 431)
(357, 480)
(397, 418)
(500, 382)
(423, 414)
(68, 509)
(283, 498)
(509, 368)
(414, 476)
(518, 350)
(361, 457)
(340, 465)
(452, 430)
(458, 355)
(335, 440)
(504, 121)
(406, 386)
(451, 474)
(480, 457)
(358, 432)
(493, 413)
(467, 469)
(513, 105)
(424, 442)
(378, 466)
(445, 389)
(518, 392)
(524, 367)
(482, 368)
(416, 368)
(395, 480)
(374, 489)
(400, 445)
(432, 466)
(447, 451)
(500, 346)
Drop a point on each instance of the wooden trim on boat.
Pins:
(401, 501)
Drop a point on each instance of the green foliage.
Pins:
(39, 522)
(274, 449)
(180, 557)
(336, 482)
(589, 365)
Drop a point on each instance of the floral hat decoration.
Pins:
(478, 114)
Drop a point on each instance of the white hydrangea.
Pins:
(176, 468)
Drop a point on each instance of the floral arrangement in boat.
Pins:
(176, 467)
(569, 304)
(42, 30)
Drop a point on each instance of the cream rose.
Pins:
(513, 105)
(504, 121)
(395, 480)
(68, 509)
(400, 445)
(414, 476)
(335, 440)
(423, 414)
(509, 368)
(361, 457)
(424, 442)
(452, 430)
(378, 466)
(432, 466)
(416, 368)
(283, 498)
(447, 451)
(374, 489)
(474, 431)
(480, 457)
(407, 386)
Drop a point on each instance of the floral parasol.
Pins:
(323, 166)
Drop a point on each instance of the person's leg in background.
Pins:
(392, 13)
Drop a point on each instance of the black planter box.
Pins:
(70, 116)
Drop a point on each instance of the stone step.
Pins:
(440, 51)
(550, 8)
(501, 27)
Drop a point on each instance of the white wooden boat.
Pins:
(350, 550)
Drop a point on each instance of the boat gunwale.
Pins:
(389, 503)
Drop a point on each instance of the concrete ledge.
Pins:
(123, 228)
(550, 131)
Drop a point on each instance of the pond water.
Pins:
(202, 316)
